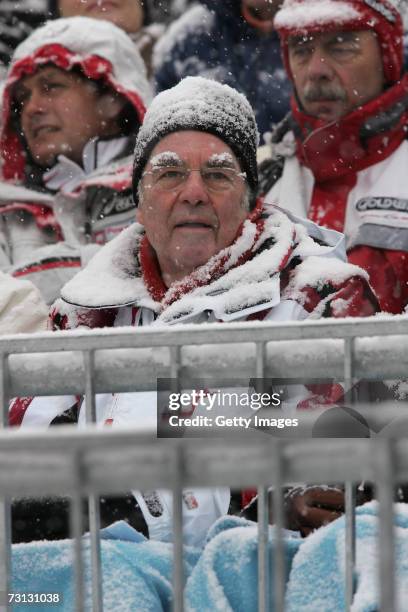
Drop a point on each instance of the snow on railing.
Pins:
(86, 461)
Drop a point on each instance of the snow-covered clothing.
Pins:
(214, 40)
(47, 236)
(349, 175)
(22, 309)
(275, 270)
(45, 227)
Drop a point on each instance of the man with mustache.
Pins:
(340, 157)
(74, 97)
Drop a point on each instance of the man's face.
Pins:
(336, 72)
(59, 113)
(192, 222)
(127, 14)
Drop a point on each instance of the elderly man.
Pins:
(204, 250)
(340, 157)
(74, 98)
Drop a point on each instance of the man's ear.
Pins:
(109, 105)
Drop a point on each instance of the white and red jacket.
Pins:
(279, 268)
(276, 269)
(351, 176)
(48, 223)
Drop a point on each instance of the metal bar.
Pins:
(76, 529)
(349, 367)
(350, 552)
(260, 359)
(5, 509)
(217, 333)
(4, 389)
(5, 551)
(178, 568)
(129, 369)
(89, 363)
(384, 470)
(110, 456)
(93, 500)
(175, 365)
(96, 564)
(263, 553)
(278, 516)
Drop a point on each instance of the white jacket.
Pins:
(46, 229)
(22, 308)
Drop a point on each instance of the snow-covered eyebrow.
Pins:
(167, 158)
(220, 160)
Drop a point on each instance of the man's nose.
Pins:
(194, 190)
(319, 66)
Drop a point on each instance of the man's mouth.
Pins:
(194, 225)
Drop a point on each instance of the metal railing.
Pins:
(87, 463)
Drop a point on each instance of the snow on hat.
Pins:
(299, 17)
(99, 48)
(200, 104)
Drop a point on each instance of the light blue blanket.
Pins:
(223, 578)
(136, 572)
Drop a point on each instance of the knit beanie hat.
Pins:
(306, 17)
(204, 105)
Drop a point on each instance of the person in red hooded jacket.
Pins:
(74, 97)
(341, 156)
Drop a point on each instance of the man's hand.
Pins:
(308, 508)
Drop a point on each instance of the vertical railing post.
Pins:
(350, 547)
(76, 528)
(350, 495)
(263, 552)
(177, 490)
(349, 368)
(278, 519)
(383, 457)
(5, 510)
(260, 359)
(93, 500)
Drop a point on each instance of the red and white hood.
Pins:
(102, 50)
(308, 17)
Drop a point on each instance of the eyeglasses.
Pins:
(168, 178)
